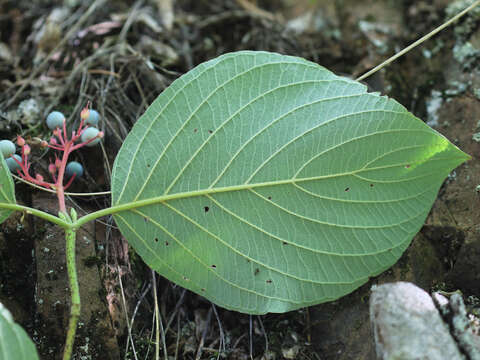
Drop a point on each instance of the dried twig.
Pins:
(166, 13)
(45, 61)
(255, 10)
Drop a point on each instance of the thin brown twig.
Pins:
(250, 336)
(128, 23)
(159, 330)
(177, 343)
(264, 333)
(175, 311)
(222, 334)
(124, 303)
(204, 334)
(255, 10)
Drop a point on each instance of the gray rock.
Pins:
(408, 326)
(455, 314)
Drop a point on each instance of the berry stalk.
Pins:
(60, 141)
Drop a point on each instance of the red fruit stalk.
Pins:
(60, 141)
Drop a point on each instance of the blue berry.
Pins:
(93, 118)
(12, 164)
(7, 148)
(74, 167)
(90, 133)
(55, 119)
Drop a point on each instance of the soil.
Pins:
(120, 57)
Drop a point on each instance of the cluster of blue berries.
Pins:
(57, 120)
(87, 133)
(7, 148)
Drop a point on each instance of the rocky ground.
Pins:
(120, 56)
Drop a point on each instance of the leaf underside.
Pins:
(7, 189)
(15, 344)
(274, 184)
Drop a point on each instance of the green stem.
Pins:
(41, 214)
(75, 293)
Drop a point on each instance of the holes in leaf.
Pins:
(269, 281)
(167, 243)
(210, 131)
(148, 165)
(269, 198)
(214, 266)
(203, 289)
(371, 185)
(156, 239)
(257, 270)
(195, 130)
(347, 189)
(145, 219)
(407, 166)
(284, 243)
(206, 209)
(185, 278)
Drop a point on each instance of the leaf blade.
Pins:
(15, 344)
(261, 161)
(7, 189)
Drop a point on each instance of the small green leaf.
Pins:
(15, 344)
(7, 189)
(266, 183)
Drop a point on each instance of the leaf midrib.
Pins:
(254, 136)
(220, 127)
(211, 66)
(181, 195)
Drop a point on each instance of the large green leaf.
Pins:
(14, 341)
(7, 189)
(270, 184)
